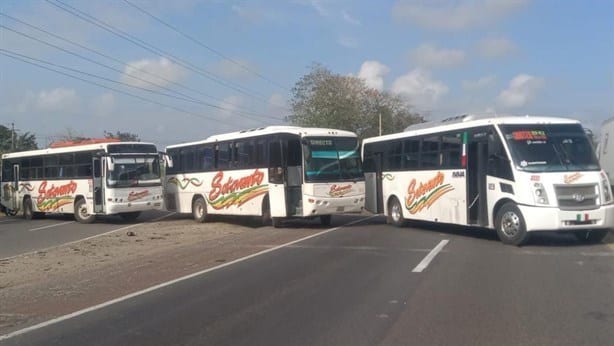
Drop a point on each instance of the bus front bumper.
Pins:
(116, 208)
(554, 219)
(314, 206)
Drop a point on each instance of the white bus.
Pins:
(87, 178)
(274, 172)
(513, 174)
(605, 149)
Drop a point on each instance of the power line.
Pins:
(200, 43)
(124, 63)
(119, 91)
(134, 40)
(184, 98)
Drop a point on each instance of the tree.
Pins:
(123, 136)
(10, 141)
(323, 99)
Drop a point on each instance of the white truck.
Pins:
(605, 150)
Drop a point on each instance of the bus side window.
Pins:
(276, 174)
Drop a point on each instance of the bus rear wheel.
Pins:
(591, 237)
(199, 210)
(510, 225)
(81, 214)
(28, 210)
(395, 213)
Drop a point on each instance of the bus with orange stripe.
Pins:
(514, 174)
(274, 173)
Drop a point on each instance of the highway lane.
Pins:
(355, 286)
(19, 236)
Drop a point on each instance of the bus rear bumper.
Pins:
(553, 219)
(314, 206)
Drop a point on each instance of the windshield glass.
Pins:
(331, 159)
(134, 171)
(550, 148)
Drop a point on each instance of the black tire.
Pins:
(28, 211)
(395, 213)
(276, 222)
(510, 225)
(326, 219)
(591, 237)
(130, 216)
(81, 214)
(265, 219)
(199, 210)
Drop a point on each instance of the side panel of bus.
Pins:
(606, 149)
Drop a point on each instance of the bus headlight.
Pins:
(539, 193)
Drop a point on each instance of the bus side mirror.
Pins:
(169, 160)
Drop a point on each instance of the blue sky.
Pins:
(446, 57)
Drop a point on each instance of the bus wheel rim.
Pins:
(510, 224)
(396, 212)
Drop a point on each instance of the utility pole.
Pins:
(12, 136)
(380, 123)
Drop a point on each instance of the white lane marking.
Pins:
(88, 238)
(50, 226)
(169, 283)
(425, 262)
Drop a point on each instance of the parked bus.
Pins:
(87, 178)
(513, 174)
(605, 149)
(273, 172)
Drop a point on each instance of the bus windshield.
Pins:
(550, 148)
(134, 171)
(332, 159)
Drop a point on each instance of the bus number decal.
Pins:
(55, 197)
(235, 191)
(185, 182)
(339, 190)
(425, 194)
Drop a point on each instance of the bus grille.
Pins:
(576, 197)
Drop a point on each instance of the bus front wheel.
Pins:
(81, 214)
(199, 210)
(28, 212)
(395, 213)
(510, 225)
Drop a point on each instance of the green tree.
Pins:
(323, 99)
(17, 141)
(123, 136)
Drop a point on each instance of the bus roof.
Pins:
(269, 130)
(469, 121)
(68, 149)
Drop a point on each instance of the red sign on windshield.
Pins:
(529, 135)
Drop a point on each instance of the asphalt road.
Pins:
(359, 286)
(18, 236)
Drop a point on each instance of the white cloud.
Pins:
(521, 90)
(316, 5)
(236, 69)
(161, 72)
(455, 15)
(103, 105)
(428, 55)
(419, 88)
(482, 83)
(59, 99)
(495, 47)
(349, 18)
(373, 73)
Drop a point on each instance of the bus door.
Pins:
(294, 176)
(12, 198)
(97, 184)
(277, 182)
(477, 165)
(373, 184)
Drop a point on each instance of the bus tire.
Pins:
(265, 219)
(276, 222)
(199, 210)
(510, 225)
(81, 214)
(28, 212)
(591, 237)
(130, 216)
(395, 213)
(326, 219)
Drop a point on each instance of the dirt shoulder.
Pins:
(39, 286)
